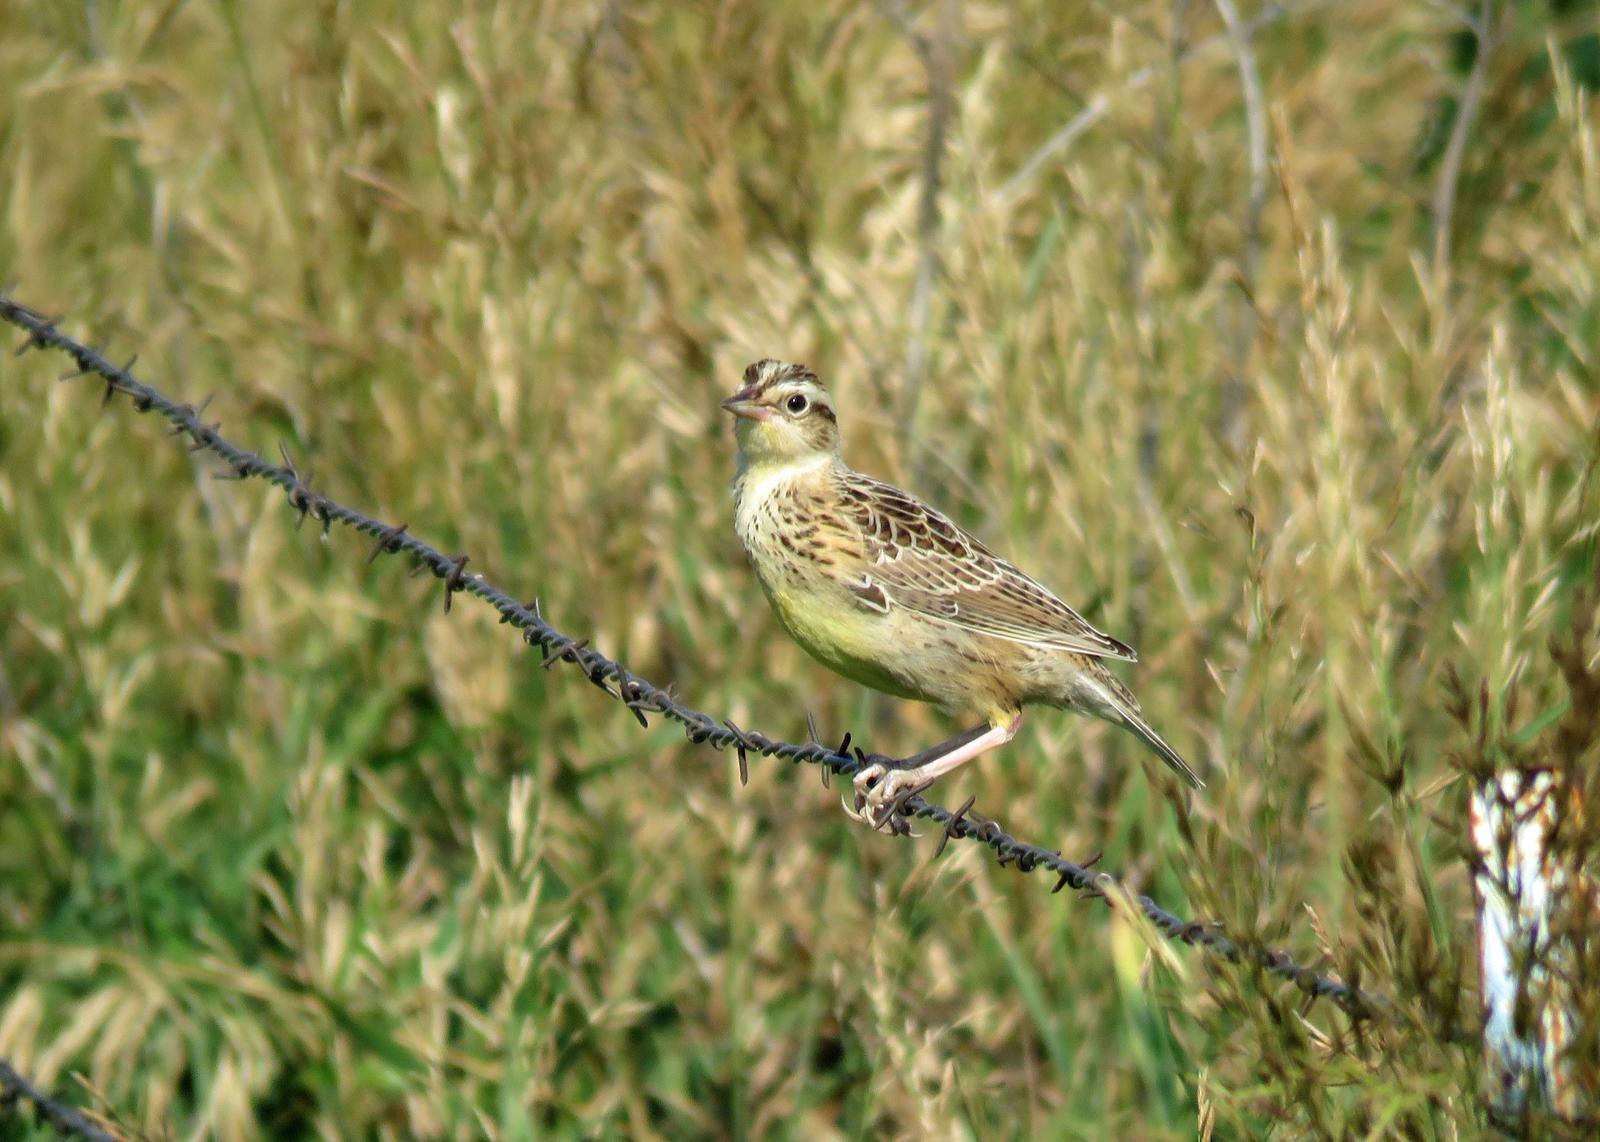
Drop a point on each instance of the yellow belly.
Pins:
(848, 639)
(898, 653)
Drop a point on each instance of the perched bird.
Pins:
(890, 593)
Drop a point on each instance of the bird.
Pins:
(890, 593)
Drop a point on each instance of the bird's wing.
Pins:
(916, 558)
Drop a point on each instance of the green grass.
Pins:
(286, 850)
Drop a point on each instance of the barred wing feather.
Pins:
(918, 559)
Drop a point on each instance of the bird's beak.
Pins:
(742, 403)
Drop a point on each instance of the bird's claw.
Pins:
(881, 791)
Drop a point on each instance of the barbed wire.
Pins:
(643, 697)
(15, 1087)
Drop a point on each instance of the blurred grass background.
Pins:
(284, 850)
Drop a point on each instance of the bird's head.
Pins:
(782, 414)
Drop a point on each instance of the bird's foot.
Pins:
(882, 787)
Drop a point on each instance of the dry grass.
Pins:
(287, 851)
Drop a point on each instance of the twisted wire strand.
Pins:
(67, 1121)
(643, 697)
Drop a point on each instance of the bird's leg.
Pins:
(883, 784)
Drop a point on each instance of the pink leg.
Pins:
(881, 788)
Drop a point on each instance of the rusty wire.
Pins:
(643, 697)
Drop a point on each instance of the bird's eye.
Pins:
(796, 404)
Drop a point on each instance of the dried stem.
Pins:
(935, 53)
(1444, 192)
(1057, 145)
(1255, 118)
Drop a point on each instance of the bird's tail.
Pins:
(1121, 706)
(1158, 744)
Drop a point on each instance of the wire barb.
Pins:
(455, 581)
(949, 826)
(739, 745)
(40, 333)
(389, 542)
